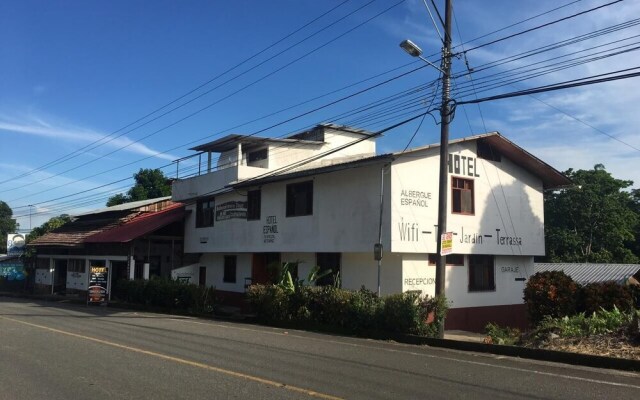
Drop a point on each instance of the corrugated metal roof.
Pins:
(591, 273)
(76, 232)
(139, 226)
(73, 234)
(128, 206)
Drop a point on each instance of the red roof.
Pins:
(139, 226)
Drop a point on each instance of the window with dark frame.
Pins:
(452, 259)
(229, 269)
(43, 263)
(205, 211)
(258, 155)
(326, 262)
(76, 265)
(300, 199)
(462, 196)
(482, 277)
(485, 151)
(254, 198)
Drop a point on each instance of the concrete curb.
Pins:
(525, 352)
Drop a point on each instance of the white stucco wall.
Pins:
(215, 270)
(508, 290)
(346, 208)
(360, 269)
(505, 196)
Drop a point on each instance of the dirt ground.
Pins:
(618, 346)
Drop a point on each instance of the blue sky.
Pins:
(75, 72)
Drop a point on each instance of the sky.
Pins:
(92, 91)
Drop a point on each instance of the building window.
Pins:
(76, 265)
(256, 156)
(326, 262)
(485, 151)
(462, 196)
(254, 198)
(300, 199)
(482, 276)
(452, 259)
(205, 211)
(230, 269)
(43, 263)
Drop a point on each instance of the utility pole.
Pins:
(445, 119)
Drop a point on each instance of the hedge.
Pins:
(358, 312)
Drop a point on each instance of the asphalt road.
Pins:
(57, 351)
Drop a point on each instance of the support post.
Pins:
(445, 114)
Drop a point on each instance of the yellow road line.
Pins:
(182, 361)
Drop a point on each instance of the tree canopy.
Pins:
(7, 225)
(51, 224)
(149, 184)
(597, 220)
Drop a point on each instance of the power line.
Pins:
(558, 86)
(344, 98)
(542, 26)
(79, 151)
(230, 95)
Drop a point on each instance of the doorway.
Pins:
(60, 276)
(264, 267)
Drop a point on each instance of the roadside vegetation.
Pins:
(298, 303)
(160, 294)
(598, 318)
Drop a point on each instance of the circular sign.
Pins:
(18, 240)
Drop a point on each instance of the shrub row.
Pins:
(554, 294)
(358, 312)
(599, 323)
(166, 294)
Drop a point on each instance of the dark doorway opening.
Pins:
(264, 268)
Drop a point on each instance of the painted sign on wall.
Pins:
(13, 271)
(231, 210)
(270, 229)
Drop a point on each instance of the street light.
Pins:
(445, 119)
(414, 51)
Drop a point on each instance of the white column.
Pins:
(146, 271)
(132, 269)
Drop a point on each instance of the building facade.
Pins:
(324, 198)
(136, 240)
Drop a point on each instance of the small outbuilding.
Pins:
(134, 240)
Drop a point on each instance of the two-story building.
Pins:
(323, 197)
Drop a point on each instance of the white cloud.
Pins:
(36, 125)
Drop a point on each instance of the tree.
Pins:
(595, 221)
(51, 224)
(7, 225)
(150, 184)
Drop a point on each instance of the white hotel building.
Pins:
(315, 198)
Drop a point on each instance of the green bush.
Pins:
(502, 335)
(166, 294)
(550, 294)
(581, 325)
(335, 309)
(270, 303)
(606, 295)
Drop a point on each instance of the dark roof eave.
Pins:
(229, 142)
(315, 171)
